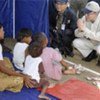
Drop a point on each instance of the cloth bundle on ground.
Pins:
(11, 83)
(75, 89)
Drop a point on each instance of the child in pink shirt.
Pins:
(52, 59)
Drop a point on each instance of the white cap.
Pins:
(91, 7)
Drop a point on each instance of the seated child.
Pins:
(10, 79)
(24, 39)
(34, 68)
(52, 59)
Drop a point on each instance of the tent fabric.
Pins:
(6, 16)
(25, 94)
(75, 89)
(32, 14)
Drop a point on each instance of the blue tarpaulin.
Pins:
(25, 94)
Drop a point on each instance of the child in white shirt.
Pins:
(34, 68)
(24, 39)
(10, 79)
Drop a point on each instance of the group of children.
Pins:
(10, 79)
(33, 59)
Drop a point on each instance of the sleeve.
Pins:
(73, 24)
(56, 55)
(80, 33)
(1, 55)
(92, 35)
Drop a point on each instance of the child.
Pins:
(34, 67)
(9, 79)
(24, 39)
(52, 59)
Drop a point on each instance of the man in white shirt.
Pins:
(88, 32)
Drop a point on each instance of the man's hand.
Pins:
(80, 25)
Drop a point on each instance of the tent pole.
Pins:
(13, 19)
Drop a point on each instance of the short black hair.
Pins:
(24, 32)
(35, 49)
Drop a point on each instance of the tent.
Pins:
(15, 14)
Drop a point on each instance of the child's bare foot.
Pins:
(69, 71)
(44, 97)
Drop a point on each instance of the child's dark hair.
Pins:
(24, 32)
(39, 36)
(35, 49)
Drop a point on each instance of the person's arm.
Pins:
(73, 23)
(80, 24)
(41, 70)
(79, 32)
(63, 63)
(26, 52)
(6, 70)
(27, 79)
(93, 35)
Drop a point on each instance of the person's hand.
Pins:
(80, 25)
(29, 83)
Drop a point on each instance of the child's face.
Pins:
(1, 33)
(27, 39)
